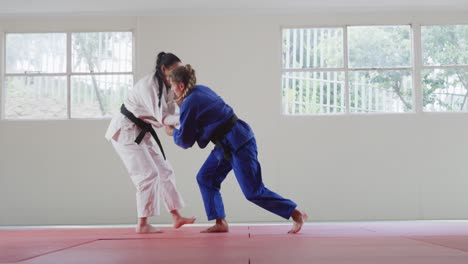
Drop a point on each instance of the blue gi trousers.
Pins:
(249, 176)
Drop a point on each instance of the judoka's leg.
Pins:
(139, 164)
(167, 188)
(249, 175)
(209, 178)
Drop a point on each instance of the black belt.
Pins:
(145, 127)
(219, 134)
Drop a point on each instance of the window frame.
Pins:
(346, 69)
(68, 71)
(416, 69)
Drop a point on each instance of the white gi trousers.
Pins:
(152, 176)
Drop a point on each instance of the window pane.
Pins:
(380, 91)
(313, 92)
(102, 52)
(43, 97)
(445, 45)
(36, 53)
(445, 89)
(379, 46)
(98, 96)
(312, 48)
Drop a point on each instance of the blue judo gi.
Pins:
(201, 114)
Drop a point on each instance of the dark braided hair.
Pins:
(166, 59)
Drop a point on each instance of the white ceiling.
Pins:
(122, 7)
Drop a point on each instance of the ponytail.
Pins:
(166, 59)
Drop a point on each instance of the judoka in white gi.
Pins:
(152, 175)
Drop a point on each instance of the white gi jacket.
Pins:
(143, 100)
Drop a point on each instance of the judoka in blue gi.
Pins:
(205, 117)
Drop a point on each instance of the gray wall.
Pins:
(338, 168)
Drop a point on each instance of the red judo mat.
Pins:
(412, 242)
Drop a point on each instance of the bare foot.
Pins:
(298, 220)
(180, 221)
(147, 229)
(221, 226)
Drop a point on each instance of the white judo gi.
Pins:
(152, 175)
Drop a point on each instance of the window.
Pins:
(380, 73)
(313, 71)
(347, 69)
(445, 68)
(66, 75)
(35, 76)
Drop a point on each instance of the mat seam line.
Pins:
(54, 251)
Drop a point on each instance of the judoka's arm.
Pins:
(170, 113)
(151, 120)
(186, 135)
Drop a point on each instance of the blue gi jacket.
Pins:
(201, 113)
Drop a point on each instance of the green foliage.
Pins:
(445, 45)
(381, 46)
